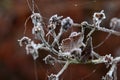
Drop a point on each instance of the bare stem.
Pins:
(56, 40)
(109, 31)
(63, 69)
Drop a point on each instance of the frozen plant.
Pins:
(76, 49)
(98, 17)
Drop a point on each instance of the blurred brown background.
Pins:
(16, 65)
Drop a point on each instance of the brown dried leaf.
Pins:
(74, 41)
(87, 51)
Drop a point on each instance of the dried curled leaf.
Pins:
(87, 51)
(74, 41)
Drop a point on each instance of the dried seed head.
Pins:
(108, 59)
(55, 19)
(76, 53)
(32, 49)
(51, 27)
(36, 30)
(111, 74)
(99, 15)
(49, 59)
(24, 40)
(115, 22)
(53, 77)
(36, 18)
(66, 23)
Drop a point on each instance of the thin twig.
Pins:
(63, 69)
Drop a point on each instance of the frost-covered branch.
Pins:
(76, 49)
